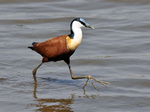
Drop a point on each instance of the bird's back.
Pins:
(53, 49)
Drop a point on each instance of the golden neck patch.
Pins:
(72, 44)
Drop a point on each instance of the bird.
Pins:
(62, 47)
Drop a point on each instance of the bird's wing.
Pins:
(53, 47)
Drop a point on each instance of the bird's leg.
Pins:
(88, 77)
(34, 72)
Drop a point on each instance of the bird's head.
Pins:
(79, 23)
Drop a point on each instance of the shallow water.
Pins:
(117, 51)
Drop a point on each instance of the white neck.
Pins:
(77, 33)
(77, 38)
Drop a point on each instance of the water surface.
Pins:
(117, 51)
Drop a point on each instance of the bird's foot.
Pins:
(89, 77)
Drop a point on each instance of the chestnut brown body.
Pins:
(54, 49)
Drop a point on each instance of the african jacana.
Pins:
(62, 47)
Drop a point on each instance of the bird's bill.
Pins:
(89, 26)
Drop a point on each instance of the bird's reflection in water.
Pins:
(52, 105)
(57, 105)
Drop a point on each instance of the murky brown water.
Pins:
(117, 51)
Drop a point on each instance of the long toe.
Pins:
(102, 82)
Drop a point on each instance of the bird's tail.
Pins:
(31, 47)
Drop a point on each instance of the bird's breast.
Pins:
(72, 44)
